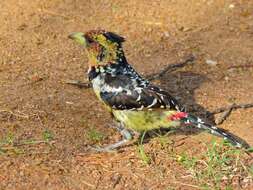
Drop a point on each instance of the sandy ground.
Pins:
(45, 124)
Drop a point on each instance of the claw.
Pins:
(101, 149)
(127, 136)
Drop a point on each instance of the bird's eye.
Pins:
(89, 40)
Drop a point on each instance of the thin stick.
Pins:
(189, 185)
(54, 13)
(224, 115)
(233, 106)
(21, 115)
(240, 66)
(170, 67)
(79, 84)
(35, 142)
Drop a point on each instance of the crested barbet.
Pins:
(134, 102)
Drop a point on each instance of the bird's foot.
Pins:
(127, 136)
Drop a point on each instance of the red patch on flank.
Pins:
(177, 116)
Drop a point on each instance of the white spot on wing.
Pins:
(225, 134)
(101, 69)
(129, 92)
(139, 90)
(140, 108)
(200, 121)
(153, 103)
(213, 127)
(139, 98)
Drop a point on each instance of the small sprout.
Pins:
(47, 135)
(251, 170)
(250, 149)
(164, 141)
(2, 151)
(94, 135)
(141, 152)
(18, 151)
(143, 156)
(10, 138)
(180, 158)
(187, 161)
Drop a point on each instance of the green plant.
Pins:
(8, 140)
(95, 136)
(47, 135)
(141, 152)
(217, 166)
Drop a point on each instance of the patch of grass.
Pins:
(251, 170)
(95, 136)
(115, 8)
(9, 145)
(187, 161)
(141, 152)
(8, 140)
(217, 167)
(164, 141)
(47, 135)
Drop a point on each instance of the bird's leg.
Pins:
(127, 136)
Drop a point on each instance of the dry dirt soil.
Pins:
(46, 125)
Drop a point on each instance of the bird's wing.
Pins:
(122, 92)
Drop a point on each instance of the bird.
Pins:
(134, 102)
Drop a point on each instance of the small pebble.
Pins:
(231, 6)
(211, 62)
(166, 34)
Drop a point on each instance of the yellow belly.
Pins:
(145, 120)
(142, 120)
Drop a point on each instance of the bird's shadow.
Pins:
(182, 86)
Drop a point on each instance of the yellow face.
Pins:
(102, 47)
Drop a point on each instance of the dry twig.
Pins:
(19, 114)
(224, 115)
(233, 106)
(240, 66)
(170, 68)
(79, 84)
(227, 110)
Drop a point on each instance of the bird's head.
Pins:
(102, 47)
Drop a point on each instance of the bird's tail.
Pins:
(197, 122)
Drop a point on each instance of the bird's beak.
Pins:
(78, 37)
